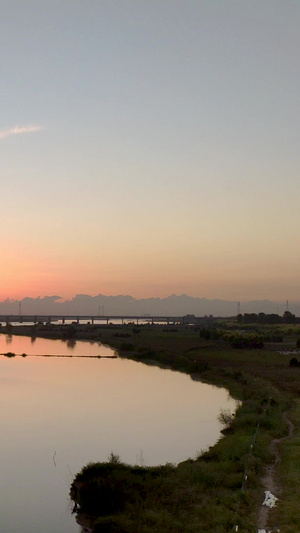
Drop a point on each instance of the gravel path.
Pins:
(268, 481)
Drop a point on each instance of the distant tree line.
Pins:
(263, 318)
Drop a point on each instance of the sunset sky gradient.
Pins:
(150, 147)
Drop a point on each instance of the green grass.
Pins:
(287, 511)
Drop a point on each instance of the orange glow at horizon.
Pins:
(35, 286)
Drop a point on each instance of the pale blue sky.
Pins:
(166, 152)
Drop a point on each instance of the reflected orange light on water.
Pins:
(82, 409)
(135, 406)
(40, 346)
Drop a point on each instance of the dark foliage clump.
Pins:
(209, 333)
(69, 332)
(105, 489)
(247, 341)
(127, 347)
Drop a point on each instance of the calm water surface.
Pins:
(57, 414)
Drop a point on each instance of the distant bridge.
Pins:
(138, 319)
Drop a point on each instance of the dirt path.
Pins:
(268, 481)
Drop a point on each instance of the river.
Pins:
(58, 414)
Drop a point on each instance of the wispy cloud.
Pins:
(20, 129)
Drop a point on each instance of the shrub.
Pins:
(110, 524)
(226, 418)
(127, 346)
(247, 341)
(273, 337)
(205, 333)
(70, 332)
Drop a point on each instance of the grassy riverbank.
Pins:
(222, 488)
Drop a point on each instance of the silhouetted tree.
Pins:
(70, 332)
(289, 318)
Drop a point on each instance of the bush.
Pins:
(226, 418)
(105, 489)
(145, 353)
(210, 333)
(247, 341)
(110, 524)
(69, 333)
(127, 347)
(273, 337)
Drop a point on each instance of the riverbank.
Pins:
(222, 488)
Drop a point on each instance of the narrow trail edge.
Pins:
(268, 480)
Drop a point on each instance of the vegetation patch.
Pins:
(222, 488)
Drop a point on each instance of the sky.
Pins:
(150, 147)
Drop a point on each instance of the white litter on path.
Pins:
(270, 501)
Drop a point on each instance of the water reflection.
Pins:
(71, 343)
(83, 409)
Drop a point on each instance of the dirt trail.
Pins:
(268, 481)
